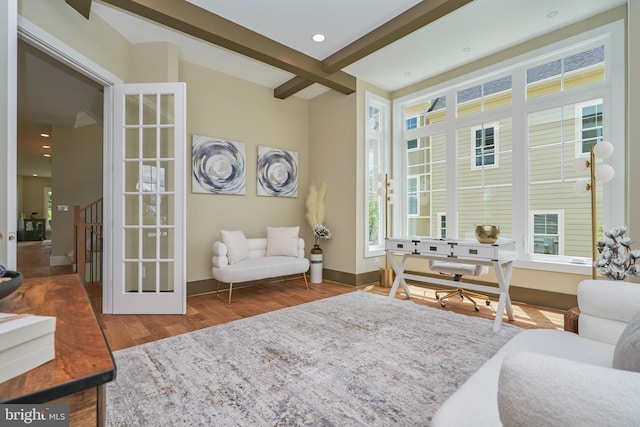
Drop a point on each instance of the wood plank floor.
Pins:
(124, 331)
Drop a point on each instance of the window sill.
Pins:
(558, 267)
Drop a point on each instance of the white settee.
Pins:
(545, 377)
(239, 259)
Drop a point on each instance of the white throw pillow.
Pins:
(282, 241)
(627, 352)
(237, 245)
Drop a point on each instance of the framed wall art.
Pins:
(277, 172)
(219, 166)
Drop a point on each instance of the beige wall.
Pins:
(333, 154)
(31, 195)
(222, 106)
(76, 171)
(93, 38)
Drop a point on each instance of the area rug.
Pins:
(357, 359)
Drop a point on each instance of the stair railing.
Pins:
(88, 241)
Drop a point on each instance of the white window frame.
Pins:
(612, 92)
(560, 225)
(496, 150)
(579, 108)
(384, 140)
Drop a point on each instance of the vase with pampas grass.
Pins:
(316, 212)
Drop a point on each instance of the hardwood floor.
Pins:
(33, 260)
(124, 331)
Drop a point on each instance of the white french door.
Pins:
(8, 135)
(149, 187)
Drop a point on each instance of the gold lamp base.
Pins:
(386, 277)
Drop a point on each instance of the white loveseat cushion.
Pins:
(537, 390)
(237, 245)
(261, 268)
(282, 241)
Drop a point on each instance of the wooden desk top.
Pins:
(83, 358)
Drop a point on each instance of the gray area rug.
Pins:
(357, 359)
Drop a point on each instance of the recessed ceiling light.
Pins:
(46, 146)
(466, 49)
(407, 74)
(47, 155)
(552, 14)
(319, 38)
(34, 174)
(45, 135)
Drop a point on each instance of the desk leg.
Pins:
(399, 271)
(504, 302)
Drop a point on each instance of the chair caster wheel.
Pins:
(476, 308)
(437, 296)
(488, 302)
(442, 304)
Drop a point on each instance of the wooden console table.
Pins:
(83, 362)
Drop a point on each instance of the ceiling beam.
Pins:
(291, 87)
(423, 13)
(83, 7)
(200, 23)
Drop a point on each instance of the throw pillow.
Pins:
(237, 245)
(282, 241)
(626, 355)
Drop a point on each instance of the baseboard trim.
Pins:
(58, 260)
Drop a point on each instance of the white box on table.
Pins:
(26, 341)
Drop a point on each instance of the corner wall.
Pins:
(334, 160)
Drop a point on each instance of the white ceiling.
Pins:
(477, 29)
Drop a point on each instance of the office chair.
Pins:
(459, 270)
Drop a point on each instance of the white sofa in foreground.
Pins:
(544, 377)
(239, 259)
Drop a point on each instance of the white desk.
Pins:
(499, 255)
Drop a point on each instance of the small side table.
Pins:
(571, 319)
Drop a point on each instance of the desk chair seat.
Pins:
(459, 270)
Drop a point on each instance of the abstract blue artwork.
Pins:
(219, 166)
(277, 172)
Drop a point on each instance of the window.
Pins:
(377, 145)
(412, 196)
(503, 153)
(579, 69)
(442, 223)
(546, 233)
(485, 140)
(588, 126)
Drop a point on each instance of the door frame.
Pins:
(55, 48)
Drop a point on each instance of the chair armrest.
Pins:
(219, 258)
(541, 390)
(606, 306)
